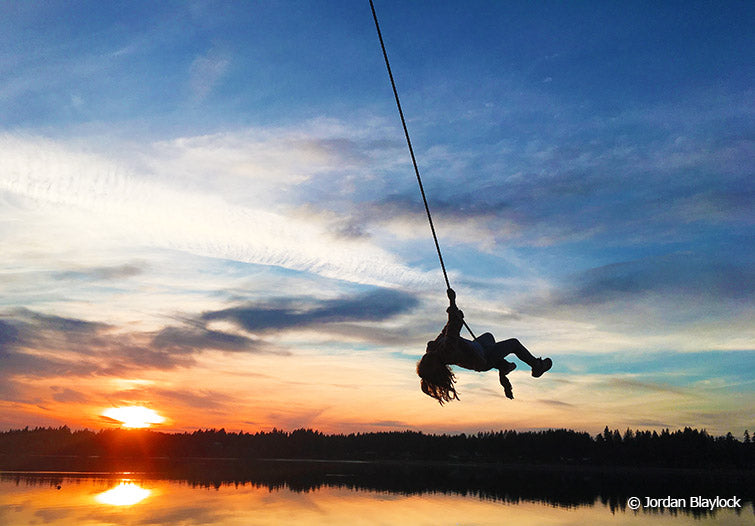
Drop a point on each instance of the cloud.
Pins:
(101, 273)
(651, 173)
(14, 391)
(71, 326)
(124, 357)
(320, 162)
(463, 219)
(25, 329)
(608, 199)
(284, 313)
(66, 395)
(108, 420)
(18, 362)
(205, 73)
(387, 336)
(189, 339)
(199, 399)
(41, 345)
(202, 399)
(37, 345)
(689, 298)
(392, 424)
(66, 192)
(556, 403)
(9, 335)
(630, 385)
(680, 274)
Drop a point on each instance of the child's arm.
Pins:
(506, 384)
(455, 316)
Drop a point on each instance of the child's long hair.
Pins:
(437, 380)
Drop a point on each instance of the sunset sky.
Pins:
(207, 209)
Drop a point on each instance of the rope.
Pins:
(411, 152)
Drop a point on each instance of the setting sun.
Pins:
(134, 416)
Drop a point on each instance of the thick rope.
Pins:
(411, 152)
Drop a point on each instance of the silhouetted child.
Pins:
(481, 354)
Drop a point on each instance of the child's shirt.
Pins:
(455, 350)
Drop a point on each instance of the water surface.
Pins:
(333, 498)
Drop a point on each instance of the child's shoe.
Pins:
(541, 366)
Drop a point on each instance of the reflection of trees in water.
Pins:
(561, 486)
(556, 486)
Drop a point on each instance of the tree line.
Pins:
(687, 448)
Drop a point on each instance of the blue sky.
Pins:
(208, 208)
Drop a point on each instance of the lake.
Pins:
(334, 493)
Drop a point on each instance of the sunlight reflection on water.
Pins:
(126, 493)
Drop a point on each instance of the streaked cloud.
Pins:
(67, 395)
(193, 339)
(100, 273)
(684, 275)
(286, 313)
(114, 200)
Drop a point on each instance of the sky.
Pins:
(208, 209)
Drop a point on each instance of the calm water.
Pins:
(330, 498)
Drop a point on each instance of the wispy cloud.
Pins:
(652, 173)
(197, 399)
(113, 199)
(634, 387)
(100, 273)
(205, 73)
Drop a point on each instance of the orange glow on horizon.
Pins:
(134, 416)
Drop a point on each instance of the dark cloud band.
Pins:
(287, 313)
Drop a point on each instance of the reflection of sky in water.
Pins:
(126, 493)
(97, 501)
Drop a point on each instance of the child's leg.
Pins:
(494, 355)
(538, 365)
(486, 340)
(513, 346)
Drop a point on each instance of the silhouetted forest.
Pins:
(687, 448)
